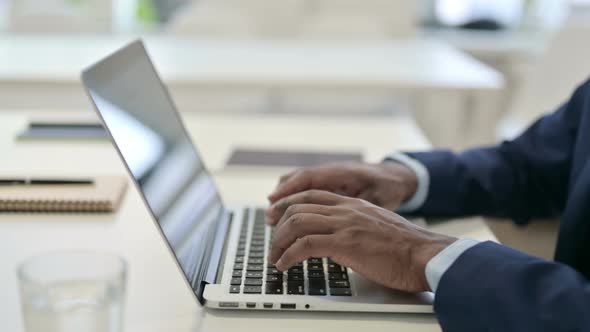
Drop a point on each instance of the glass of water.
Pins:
(73, 291)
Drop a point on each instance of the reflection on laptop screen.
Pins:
(146, 129)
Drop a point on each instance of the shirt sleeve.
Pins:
(416, 201)
(439, 264)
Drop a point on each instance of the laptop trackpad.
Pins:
(370, 292)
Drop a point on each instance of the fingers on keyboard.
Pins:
(251, 275)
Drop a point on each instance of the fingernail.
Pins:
(279, 265)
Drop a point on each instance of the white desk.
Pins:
(43, 72)
(157, 299)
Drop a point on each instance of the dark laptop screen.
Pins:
(147, 130)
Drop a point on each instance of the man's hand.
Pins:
(373, 241)
(387, 184)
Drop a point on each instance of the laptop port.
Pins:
(250, 305)
(229, 304)
(288, 306)
(268, 306)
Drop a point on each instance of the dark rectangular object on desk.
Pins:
(63, 131)
(275, 158)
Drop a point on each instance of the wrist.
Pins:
(422, 254)
(404, 176)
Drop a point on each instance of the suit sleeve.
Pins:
(521, 179)
(494, 288)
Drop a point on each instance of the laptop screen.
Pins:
(152, 141)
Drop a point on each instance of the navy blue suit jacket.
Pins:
(543, 173)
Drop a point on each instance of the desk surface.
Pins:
(157, 299)
(399, 64)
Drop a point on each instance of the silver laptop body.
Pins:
(220, 250)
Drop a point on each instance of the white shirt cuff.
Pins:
(439, 264)
(416, 201)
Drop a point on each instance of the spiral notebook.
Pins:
(104, 195)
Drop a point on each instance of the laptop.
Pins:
(220, 249)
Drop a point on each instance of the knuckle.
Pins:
(295, 220)
(312, 194)
(308, 195)
(358, 201)
(360, 204)
(317, 192)
(307, 243)
(301, 175)
(283, 204)
(351, 213)
(291, 210)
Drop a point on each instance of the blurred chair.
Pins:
(552, 79)
(61, 16)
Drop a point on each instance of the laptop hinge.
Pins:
(213, 254)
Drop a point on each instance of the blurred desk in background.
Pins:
(43, 72)
(427, 77)
(157, 297)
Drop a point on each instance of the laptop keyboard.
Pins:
(253, 275)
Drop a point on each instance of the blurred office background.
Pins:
(539, 47)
